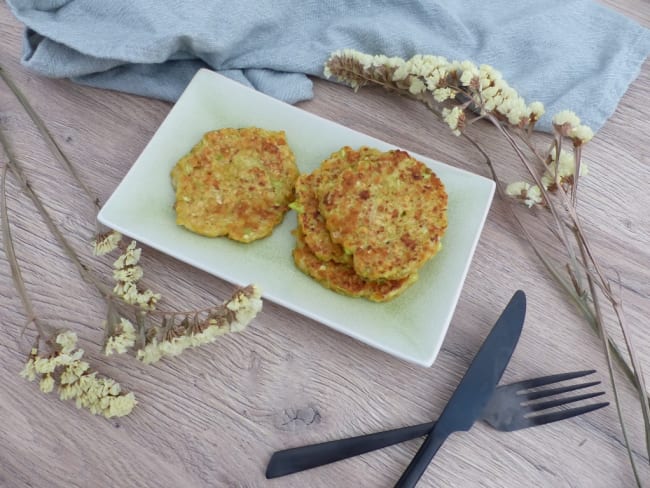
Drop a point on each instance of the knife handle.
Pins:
(421, 461)
(311, 456)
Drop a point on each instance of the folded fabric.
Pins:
(568, 54)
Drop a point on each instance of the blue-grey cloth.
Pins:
(568, 54)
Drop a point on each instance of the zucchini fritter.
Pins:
(312, 224)
(389, 212)
(341, 278)
(367, 221)
(309, 187)
(236, 183)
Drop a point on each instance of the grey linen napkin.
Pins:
(568, 54)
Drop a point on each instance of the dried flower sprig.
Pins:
(462, 93)
(199, 328)
(122, 339)
(63, 365)
(64, 368)
(127, 273)
(177, 331)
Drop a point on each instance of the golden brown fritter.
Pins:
(388, 211)
(341, 278)
(384, 210)
(308, 187)
(312, 224)
(236, 183)
(326, 174)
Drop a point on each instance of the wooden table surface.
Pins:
(213, 417)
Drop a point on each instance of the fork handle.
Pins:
(311, 456)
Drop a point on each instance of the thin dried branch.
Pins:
(44, 330)
(42, 128)
(453, 89)
(63, 365)
(83, 270)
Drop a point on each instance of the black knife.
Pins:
(475, 389)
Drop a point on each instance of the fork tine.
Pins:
(554, 378)
(535, 407)
(534, 395)
(564, 414)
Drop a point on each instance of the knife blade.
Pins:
(475, 389)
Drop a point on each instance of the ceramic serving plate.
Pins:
(411, 327)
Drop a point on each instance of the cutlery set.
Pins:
(506, 408)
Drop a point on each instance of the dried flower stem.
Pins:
(19, 283)
(476, 93)
(588, 258)
(77, 381)
(42, 128)
(172, 338)
(17, 171)
(588, 262)
(574, 288)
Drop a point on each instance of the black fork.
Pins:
(516, 406)
(512, 407)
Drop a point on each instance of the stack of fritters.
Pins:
(236, 183)
(367, 221)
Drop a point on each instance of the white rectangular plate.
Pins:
(411, 327)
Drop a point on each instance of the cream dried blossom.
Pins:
(497, 97)
(245, 305)
(103, 396)
(444, 79)
(536, 110)
(469, 88)
(515, 110)
(120, 405)
(150, 353)
(565, 121)
(417, 86)
(73, 372)
(122, 340)
(65, 368)
(47, 383)
(439, 77)
(581, 134)
(127, 291)
(443, 94)
(488, 75)
(105, 243)
(455, 119)
(45, 365)
(127, 273)
(562, 171)
(366, 61)
(29, 370)
(566, 117)
(130, 257)
(529, 194)
(433, 71)
(470, 74)
(491, 93)
(147, 299)
(358, 68)
(233, 316)
(67, 340)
